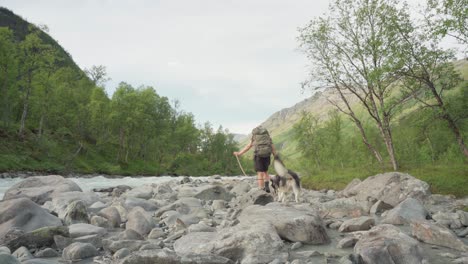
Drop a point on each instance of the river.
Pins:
(87, 184)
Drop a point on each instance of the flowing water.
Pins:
(88, 184)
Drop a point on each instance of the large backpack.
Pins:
(262, 142)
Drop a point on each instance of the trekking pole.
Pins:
(240, 165)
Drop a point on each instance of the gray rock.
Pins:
(95, 240)
(437, 235)
(451, 220)
(130, 234)
(8, 259)
(79, 230)
(47, 253)
(218, 204)
(39, 238)
(97, 206)
(121, 253)
(349, 190)
(156, 233)
(213, 192)
(170, 257)
(392, 188)
(290, 223)
(184, 206)
(100, 221)
(25, 215)
(22, 254)
(254, 196)
(151, 246)
(241, 188)
(344, 207)
(5, 250)
(357, 224)
(347, 242)
(141, 192)
(62, 242)
(40, 189)
(61, 201)
(249, 243)
(114, 246)
(140, 221)
(76, 212)
(463, 216)
(41, 261)
(462, 260)
(440, 203)
(111, 214)
(132, 202)
(78, 251)
(406, 212)
(379, 207)
(201, 227)
(296, 245)
(463, 233)
(387, 244)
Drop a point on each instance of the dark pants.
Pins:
(261, 164)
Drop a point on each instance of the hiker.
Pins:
(264, 147)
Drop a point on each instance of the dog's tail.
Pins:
(295, 177)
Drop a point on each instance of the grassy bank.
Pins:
(443, 179)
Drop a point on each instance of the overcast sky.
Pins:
(233, 63)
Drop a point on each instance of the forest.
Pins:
(57, 118)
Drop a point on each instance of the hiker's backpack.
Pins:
(262, 142)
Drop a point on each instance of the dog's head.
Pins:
(275, 183)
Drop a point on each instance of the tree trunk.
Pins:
(5, 99)
(458, 135)
(25, 107)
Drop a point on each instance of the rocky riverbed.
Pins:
(387, 218)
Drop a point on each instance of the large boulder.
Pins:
(24, 214)
(406, 212)
(386, 244)
(290, 223)
(142, 192)
(436, 234)
(41, 188)
(249, 243)
(254, 196)
(132, 202)
(357, 224)
(140, 221)
(241, 188)
(8, 259)
(392, 188)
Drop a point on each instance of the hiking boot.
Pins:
(267, 187)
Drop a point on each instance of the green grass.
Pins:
(443, 179)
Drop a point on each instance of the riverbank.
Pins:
(228, 220)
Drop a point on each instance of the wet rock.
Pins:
(40, 189)
(62, 242)
(357, 224)
(463, 233)
(78, 251)
(387, 244)
(95, 240)
(406, 212)
(5, 250)
(296, 245)
(25, 215)
(437, 235)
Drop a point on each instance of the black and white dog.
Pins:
(285, 182)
